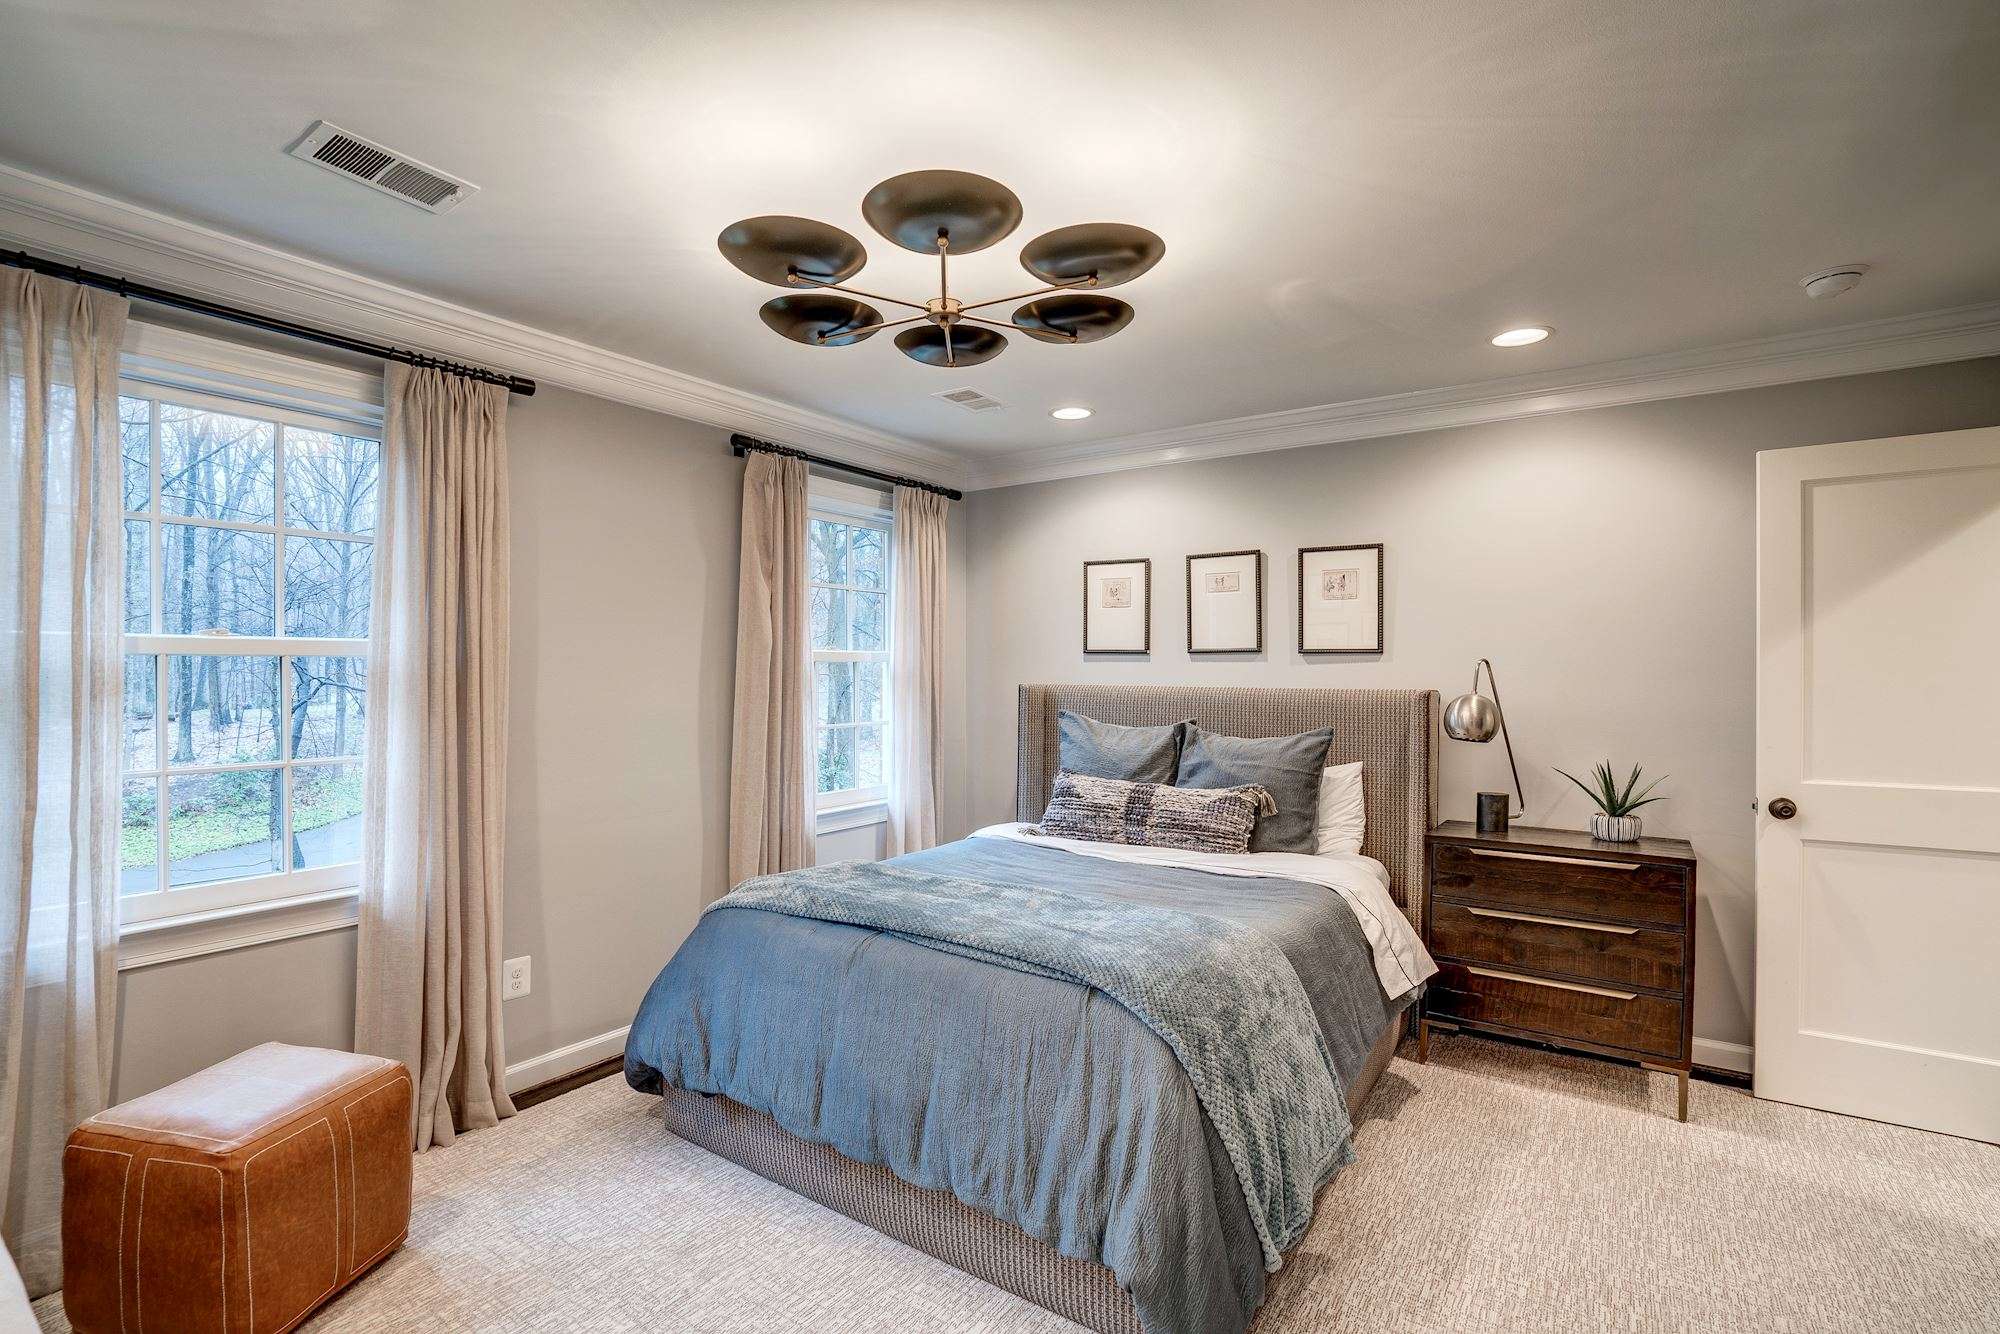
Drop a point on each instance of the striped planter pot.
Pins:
(1615, 828)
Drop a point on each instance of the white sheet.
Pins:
(1401, 961)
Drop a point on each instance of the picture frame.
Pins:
(1118, 606)
(1225, 602)
(1340, 598)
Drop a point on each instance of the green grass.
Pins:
(317, 802)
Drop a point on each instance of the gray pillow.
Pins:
(1153, 815)
(1106, 750)
(1287, 767)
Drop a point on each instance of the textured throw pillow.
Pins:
(1106, 750)
(1287, 767)
(1343, 821)
(1153, 815)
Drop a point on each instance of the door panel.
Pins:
(1893, 649)
(1878, 906)
(1870, 916)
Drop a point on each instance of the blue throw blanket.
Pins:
(1036, 1099)
(1225, 1000)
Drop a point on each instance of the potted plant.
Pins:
(1613, 820)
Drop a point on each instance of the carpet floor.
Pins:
(1497, 1189)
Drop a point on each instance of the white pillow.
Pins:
(1342, 821)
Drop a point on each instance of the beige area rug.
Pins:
(1497, 1189)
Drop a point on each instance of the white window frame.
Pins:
(856, 506)
(172, 366)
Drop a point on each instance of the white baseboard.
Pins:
(1707, 1051)
(565, 1060)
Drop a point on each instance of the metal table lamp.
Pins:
(1475, 717)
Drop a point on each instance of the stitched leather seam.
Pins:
(249, 1135)
(249, 1271)
(139, 1247)
(124, 1188)
(354, 1179)
(353, 1195)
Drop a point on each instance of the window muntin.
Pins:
(849, 579)
(248, 574)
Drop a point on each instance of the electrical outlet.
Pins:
(514, 978)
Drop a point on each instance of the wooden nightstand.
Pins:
(1552, 935)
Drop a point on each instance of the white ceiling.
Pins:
(1354, 196)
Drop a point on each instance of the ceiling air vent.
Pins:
(969, 399)
(381, 168)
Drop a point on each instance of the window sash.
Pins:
(850, 515)
(166, 901)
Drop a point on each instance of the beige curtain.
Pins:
(916, 669)
(770, 752)
(61, 589)
(427, 989)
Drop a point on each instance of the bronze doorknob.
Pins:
(1782, 808)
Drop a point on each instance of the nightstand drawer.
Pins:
(1511, 939)
(1607, 1016)
(1559, 886)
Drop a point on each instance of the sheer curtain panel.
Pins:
(916, 673)
(61, 686)
(427, 990)
(770, 746)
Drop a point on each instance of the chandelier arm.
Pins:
(1088, 280)
(866, 328)
(944, 275)
(1012, 328)
(950, 353)
(801, 280)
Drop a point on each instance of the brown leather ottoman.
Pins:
(238, 1199)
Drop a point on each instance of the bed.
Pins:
(1077, 1150)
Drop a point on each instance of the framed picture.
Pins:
(1340, 599)
(1225, 606)
(1118, 606)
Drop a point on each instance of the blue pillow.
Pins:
(1106, 750)
(1288, 767)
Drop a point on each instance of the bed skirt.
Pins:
(937, 1222)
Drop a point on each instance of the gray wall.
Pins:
(625, 535)
(175, 1018)
(1604, 560)
(625, 529)
(1599, 558)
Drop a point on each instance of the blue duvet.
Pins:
(980, 1049)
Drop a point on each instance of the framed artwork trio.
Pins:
(1340, 602)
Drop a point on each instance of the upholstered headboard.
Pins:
(1394, 733)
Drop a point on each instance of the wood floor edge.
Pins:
(536, 1094)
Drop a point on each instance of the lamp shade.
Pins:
(1471, 717)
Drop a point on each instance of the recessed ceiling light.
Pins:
(1533, 333)
(1070, 414)
(1832, 282)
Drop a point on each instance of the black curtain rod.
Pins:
(160, 296)
(739, 445)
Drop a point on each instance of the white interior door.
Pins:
(1878, 716)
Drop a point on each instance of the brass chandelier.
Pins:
(942, 213)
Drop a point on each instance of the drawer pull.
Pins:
(1554, 921)
(1545, 857)
(1560, 986)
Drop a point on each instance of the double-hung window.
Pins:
(248, 571)
(848, 546)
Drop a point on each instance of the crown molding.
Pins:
(1854, 349)
(82, 227)
(87, 228)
